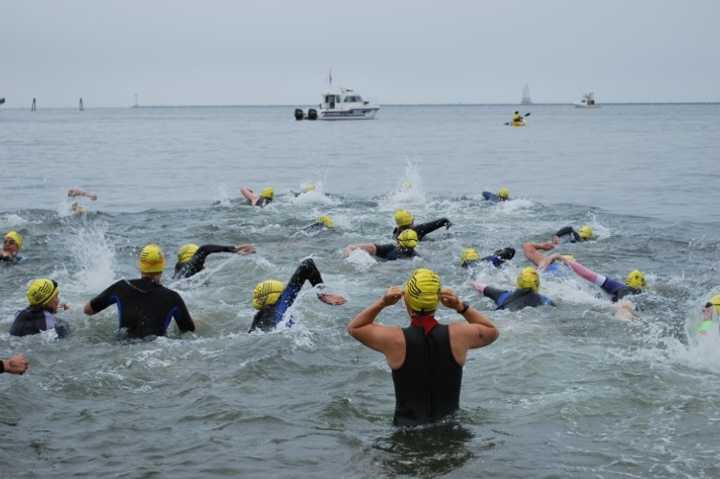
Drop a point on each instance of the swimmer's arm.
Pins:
(182, 317)
(74, 192)
(427, 228)
(249, 195)
(480, 331)
(567, 231)
(532, 253)
(101, 301)
(369, 247)
(17, 364)
(388, 340)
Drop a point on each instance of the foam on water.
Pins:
(94, 257)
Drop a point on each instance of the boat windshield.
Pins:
(353, 99)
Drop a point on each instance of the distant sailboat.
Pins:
(2, 100)
(81, 107)
(526, 100)
(136, 104)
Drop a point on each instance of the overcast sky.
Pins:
(393, 51)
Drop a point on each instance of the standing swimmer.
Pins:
(426, 357)
(191, 257)
(44, 301)
(145, 307)
(526, 294)
(12, 242)
(271, 298)
(405, 220)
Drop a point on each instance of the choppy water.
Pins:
(567, 392)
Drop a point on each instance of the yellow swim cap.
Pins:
(267, 193)
(327, 221)
(585, 232)
(569, 257)
(403, 218)
(152, 259)
(422, 290)
(408, 239)
(42, 291)
(16, 237)
(267, 293)
(186, 252)
(635, 279)
(469, 255)
(715, 301)
(308, 188)
(504, 193)
(529, 278)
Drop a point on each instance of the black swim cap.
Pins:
(506, 253)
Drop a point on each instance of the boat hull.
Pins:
(352, 114)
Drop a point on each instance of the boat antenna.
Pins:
(330, 77)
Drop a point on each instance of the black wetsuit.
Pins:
(491, 197)
(10, 259)
(423, 229)
(618, 290)
(145, 307)
(569, 232)
(316, 227)
(427, 385)
(516, 300)
(261, 201)
(33, 320)
(197, 262)
(270, 316)
(392, 252)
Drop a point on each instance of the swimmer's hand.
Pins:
(450, 300)
(17, 364)
(556, 240)
(332, 299)
(63, 306)
(392, 295)
(448, 224)
(554, 257)
(626, 310)
(245, 249)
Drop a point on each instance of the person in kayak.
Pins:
(404, 220)
(12, 243)
(404, 248)
(264, 198)
(145, 307)
(426, 357)
(517, 119)
(585, 233)
(526, 294)
(470, 257)
(503, 194)
(43, 304)
(271, 298)
(191, 257)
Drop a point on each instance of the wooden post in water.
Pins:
(81, 107)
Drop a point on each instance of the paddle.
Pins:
(507, 123)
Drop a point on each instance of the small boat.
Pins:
(588, 101)
(344, 104)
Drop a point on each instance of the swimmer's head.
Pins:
(529, 278)
(267, 293)
(12, 241)
(636, 279)
(186, 252)
(308, 188)
(516, 113)
(422, 291)
(152, 259)
(267, 193)
(403, 218)
(326, 221)
(504, 193)
(713, 306)
(468, 257)
(585, 232)
(506, 253)
(42, 292)
(407, 239)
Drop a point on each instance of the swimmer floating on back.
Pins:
(405, 221)
(271, 298)
(191, 257)
(526, 294)
(404, 248)
(265, 197)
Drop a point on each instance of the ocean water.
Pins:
(567, 392)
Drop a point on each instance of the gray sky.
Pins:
(403, 51)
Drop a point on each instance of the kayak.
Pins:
(517, 124)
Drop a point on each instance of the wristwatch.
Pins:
(466, 306)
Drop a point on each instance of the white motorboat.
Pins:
(344, 104)
(588, 101)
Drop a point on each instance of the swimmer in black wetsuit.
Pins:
(323, 223)
(526, 294)
(44, 301)
(405, 220)
(585, 233)
(265, 197)
(191, 257)
(503, 194)
(634, 282)
(12, 242)
(470, 257)
(271, 298)
(403, 249)
(145, 307)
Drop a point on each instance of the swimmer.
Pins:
(77, 193)
(145, 307)
(309, 188)
(16, 364)
(191, 257)
(526, 294)
(545, 264)
(265, 197)
(470, 257)
(323, 223)
(405, 220)
(634, 282)
(44, 302)
(585, 233)
(503, 194)
(271, 298)
(426, 357)
(12, 243)
(404, 247)
(711, 310)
